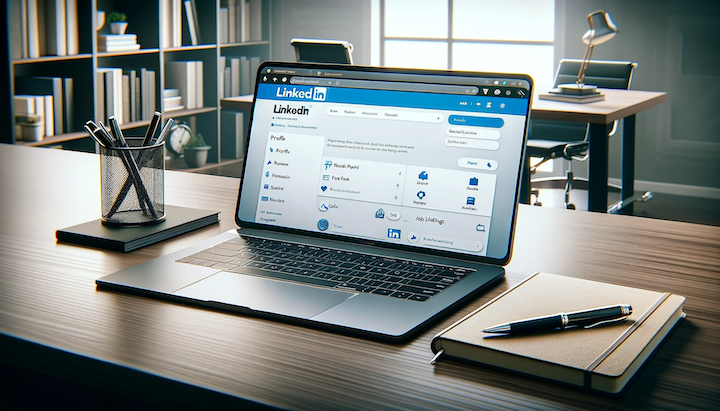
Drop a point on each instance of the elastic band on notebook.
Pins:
(587, 378)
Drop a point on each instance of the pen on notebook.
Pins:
(586, 318)
(152, 128)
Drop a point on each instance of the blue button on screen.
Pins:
(476, 121)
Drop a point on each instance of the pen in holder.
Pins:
(132, 183)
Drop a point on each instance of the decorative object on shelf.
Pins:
(118, 22)
(195, 152)
(31, 125)
(602, 29)
(180, 135)
(100, 20)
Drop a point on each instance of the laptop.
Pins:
(372, 200)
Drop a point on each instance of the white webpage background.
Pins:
(383, 147)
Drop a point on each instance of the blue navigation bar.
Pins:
(392, 98)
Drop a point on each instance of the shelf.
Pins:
(46, 59)
(53, 140)
(190, 112)
(239, 103)
(186, 48)
(246, 44)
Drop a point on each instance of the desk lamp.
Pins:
(602, 29)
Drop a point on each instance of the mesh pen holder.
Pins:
(132, 183)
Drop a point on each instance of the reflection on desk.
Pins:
(54, 322)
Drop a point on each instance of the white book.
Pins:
(221, 77)
(68, 105)
(113, 92)
(244, 76)
(56, 30)
(110, 48)
(167, 29)
(182, 76)
(177, 23)
(49, 118)
(199, 91)
(227, 89)
(190, 17)
(71, 25)
(255, 20)
(224, 24)
(254, 66)
(232, 128)
(234, 77)
(24, 104)
(132, 74)
(126, 98)
(232, 21)
(99, 96)
(32, 29)
(117, 38)
(40, 111)
(138, 99)
(24, 29)
(170, 92)
(152, 102)
(246, 20)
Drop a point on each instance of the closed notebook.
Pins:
(602, 358)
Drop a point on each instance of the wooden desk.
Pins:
(54, 321)
(618, 105)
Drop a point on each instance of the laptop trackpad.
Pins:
(260, 294)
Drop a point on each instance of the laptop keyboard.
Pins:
(328, 267)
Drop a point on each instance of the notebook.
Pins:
(600, 358)
(373, 200)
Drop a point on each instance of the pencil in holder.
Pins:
(132, 183)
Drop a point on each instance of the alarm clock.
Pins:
(179, 135)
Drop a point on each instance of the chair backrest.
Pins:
(604, 74)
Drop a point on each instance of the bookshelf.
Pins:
(163, 31)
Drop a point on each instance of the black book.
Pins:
(178, 220)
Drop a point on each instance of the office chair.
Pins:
(558, 139)
(323, 51)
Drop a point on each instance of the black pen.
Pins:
(152, 128)
(587, 318)
(165, 131)
(115, 128)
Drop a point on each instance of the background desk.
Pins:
(618, 105)
(54, 321)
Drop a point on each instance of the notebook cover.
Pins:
(564, 355)
(178, 220)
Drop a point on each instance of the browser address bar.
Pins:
(386, 85)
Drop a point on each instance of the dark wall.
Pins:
(677, 47)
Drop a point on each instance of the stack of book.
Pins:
(240, 21)
(47, 28)
(238, 77)
(187, 78)
(128, 95)
(172, 100)
(117, 42)
(49, 98)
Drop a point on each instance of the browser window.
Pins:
(419, 160)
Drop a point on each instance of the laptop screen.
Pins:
(423, 160)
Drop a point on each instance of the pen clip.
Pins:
(606, 322)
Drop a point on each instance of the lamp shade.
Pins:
(602, 28)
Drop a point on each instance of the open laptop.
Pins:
(372, 201)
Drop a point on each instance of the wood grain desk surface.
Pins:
(618, 104)
(54, 320)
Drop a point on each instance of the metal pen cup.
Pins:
(132, 183)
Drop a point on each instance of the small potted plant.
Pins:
(195, 151)
(118, 22)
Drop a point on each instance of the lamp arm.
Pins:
(585, 63)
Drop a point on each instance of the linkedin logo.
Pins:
(319, 93)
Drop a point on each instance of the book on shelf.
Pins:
(46, 28)
(232, 141)
(240, 21)
(39, 106)
(126, 98)
(186, 76)
(110, 48)
(172, 100)
(117, 42)
(68, 104)
(172, 23)
(43, 86)
(147, 91)
(111, 78)
(132, 81)
(603, 358)
(190, 11)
